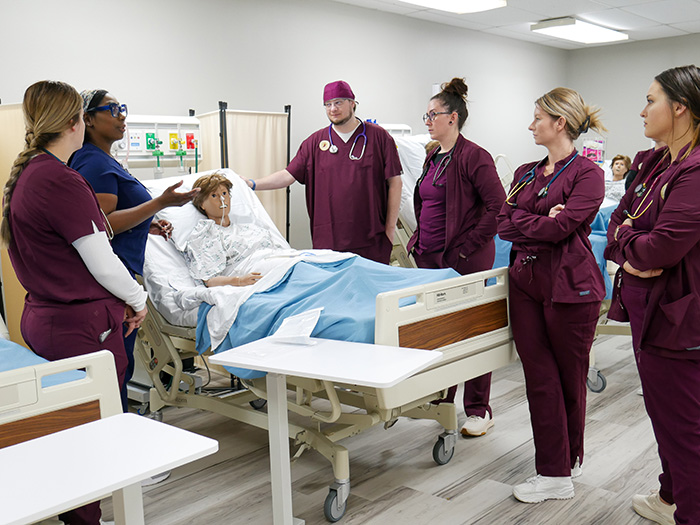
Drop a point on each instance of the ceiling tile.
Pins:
(554, 8)
(689, 27)
(667, 11)
(651, 33)
(617, 19)
(444, 18)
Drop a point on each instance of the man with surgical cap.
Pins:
(351, 171)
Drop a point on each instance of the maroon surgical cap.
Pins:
(337, 89)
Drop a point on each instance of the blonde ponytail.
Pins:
(567, 103)
(49, 109)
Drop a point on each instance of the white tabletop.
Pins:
(50, 474)
(362, 364)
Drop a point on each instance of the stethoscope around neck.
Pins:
(334, 149)
(529, 177)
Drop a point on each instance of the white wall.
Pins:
(164, 57)
(616, 78)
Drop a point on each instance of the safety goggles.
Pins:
(114, 108)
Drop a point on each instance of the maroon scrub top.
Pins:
(667, 236)
(346, 199)
(576, 277)
(473, 201)
(52, 206)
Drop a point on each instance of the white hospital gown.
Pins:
(215, 250)
(615, 189)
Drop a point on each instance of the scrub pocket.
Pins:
(575, 279)
(682, 319)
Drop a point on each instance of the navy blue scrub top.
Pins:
(106, 175)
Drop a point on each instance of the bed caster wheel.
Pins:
(258, 404)
(444, 448)
(142, 410)
(596, 382)
(331, 509)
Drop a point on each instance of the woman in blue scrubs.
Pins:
(126, 203)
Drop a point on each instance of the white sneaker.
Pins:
(652, 508)
(477, 425)
(541, 488)
(155, 479)
(577, 469)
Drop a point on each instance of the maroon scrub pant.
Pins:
(477, 391)
(553, 341)
(59, 331)
(672, 399)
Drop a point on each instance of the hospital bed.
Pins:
(461, 317)
(38, 398)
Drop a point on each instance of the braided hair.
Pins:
(49, 108)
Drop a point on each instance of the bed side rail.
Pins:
(445, 312)
(29, 410)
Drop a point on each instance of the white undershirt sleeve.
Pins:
(108, 270)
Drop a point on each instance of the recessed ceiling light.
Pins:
(460, 6)
(569, 28)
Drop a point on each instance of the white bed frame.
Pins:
(28, 410)
(461, 317)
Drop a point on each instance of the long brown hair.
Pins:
(49, 108)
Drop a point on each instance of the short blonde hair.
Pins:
(208, 184)
(567, 103)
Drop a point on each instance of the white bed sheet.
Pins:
(177, 296)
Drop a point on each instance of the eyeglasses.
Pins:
(114, 108)
(335, 103)
(429, 117)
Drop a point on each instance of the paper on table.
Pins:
(297, 328)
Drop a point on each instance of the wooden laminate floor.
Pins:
(395, 480)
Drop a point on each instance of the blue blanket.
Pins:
(13, 356)
(347, 291)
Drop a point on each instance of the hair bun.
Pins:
(456, 86)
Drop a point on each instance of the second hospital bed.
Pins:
(461, 317)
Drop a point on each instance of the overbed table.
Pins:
(359, 364)
(54, 473)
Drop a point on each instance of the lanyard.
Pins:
(54, 156)
(641, 191)
(530, 176)
(641, 188)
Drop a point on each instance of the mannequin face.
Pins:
(212, 204)
(619, 168)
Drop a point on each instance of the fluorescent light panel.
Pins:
(460, 6)
(569, 28)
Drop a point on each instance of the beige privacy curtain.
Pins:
(11, 143)
(257, 146)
